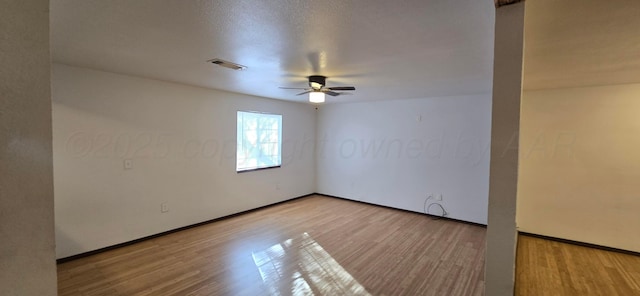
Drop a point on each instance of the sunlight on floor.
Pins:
(310, 269)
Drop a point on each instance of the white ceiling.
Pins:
(573, 43)
(387, 49)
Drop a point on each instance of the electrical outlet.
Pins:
(164, 207)
(128, 164)
(438, 197)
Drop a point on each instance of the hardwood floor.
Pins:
(546, 267)
(310, 246)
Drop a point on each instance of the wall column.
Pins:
(505, 124)
(27, 247)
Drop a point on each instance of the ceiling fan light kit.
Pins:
(316, 97)
(317, 89)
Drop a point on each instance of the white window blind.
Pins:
(259, 141)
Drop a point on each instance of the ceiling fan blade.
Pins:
(302, 93)
(341, 88)
(282, 87)
(331, 93)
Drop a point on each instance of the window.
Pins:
(259, 141)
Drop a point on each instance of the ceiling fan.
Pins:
(317, 89)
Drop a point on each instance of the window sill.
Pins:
(258, 169)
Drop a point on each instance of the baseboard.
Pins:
(101, 250)
(408, 211)
(577, 243)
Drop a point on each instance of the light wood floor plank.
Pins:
(547, 267)
(327, 246)
(316, 244)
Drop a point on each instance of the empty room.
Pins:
(471, 147)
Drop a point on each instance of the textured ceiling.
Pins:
(387, 49)
(574, 43)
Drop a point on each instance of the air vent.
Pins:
(227, 64)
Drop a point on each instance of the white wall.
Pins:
(181, 140)
(580, 165)
(27, 262)
(394, 153)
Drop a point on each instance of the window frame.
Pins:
(279, 143)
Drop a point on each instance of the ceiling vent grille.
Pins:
(227, 64)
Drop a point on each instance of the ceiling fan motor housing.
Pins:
(317, 79)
